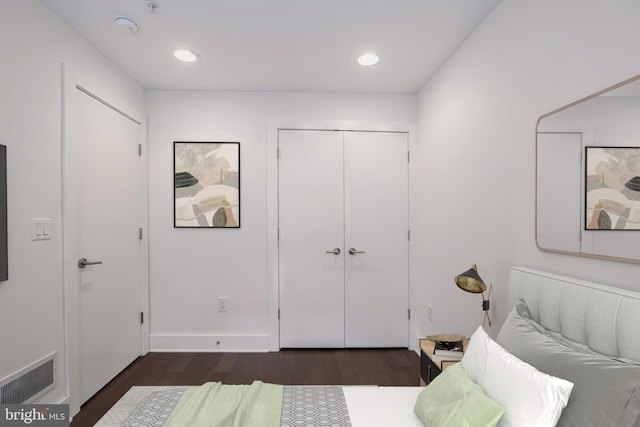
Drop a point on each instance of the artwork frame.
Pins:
(4, 246)
(206, 190)
(612, 188)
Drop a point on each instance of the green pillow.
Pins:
(453, 399)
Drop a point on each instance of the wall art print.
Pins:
(612, 188)
(207, 184)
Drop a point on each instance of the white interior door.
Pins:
(108, 201)
(311, 229)
(376, 227)
(337, 191)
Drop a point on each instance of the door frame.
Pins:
(272, 206)
(70, 251)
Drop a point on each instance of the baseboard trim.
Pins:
(209, 343)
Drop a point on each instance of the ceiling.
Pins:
(278, 45)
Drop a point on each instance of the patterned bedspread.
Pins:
(301, 405)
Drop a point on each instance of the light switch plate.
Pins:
(40, 229)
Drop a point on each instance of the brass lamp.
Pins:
(470, 281)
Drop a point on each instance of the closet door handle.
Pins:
(335, 251)
(82, 262)
(353, 251)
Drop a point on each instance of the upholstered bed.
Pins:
(584, 332)
(567, 354)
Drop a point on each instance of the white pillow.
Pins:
(530, 398)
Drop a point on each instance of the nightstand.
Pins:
(430, 365)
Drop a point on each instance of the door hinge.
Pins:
(278, 234)
(142, 317)
(140, 233)
(409, 235)
(278, 314)
(409, 314)
(408, 156)
(278, 153)
(139, 149)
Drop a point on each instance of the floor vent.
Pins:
(29, 383)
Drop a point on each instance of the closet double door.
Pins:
(343, 239)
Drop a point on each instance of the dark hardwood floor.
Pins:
(399, 367)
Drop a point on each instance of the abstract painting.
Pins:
(612, 188)
(206, 184)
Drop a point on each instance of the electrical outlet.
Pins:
(429, 312)
(222, 304)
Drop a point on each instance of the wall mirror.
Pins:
(568, 217)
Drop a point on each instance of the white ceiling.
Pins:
(279, 45)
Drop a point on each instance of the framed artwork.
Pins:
(612, 188)
(206, 184)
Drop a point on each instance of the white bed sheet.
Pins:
(373, 406)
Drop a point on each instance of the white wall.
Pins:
(35, 43)
(191, 268)
(477, 121)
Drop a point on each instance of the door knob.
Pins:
(82, 262)
(335, 251)
(353, 251)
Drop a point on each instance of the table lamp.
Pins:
(470, 281)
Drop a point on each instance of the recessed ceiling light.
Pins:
(186, 55)
(368, 59)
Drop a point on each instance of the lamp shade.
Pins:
(470, 281)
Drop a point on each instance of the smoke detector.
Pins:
(127, 24)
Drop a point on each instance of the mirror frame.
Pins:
(579, 101)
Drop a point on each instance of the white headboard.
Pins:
(597, 317)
